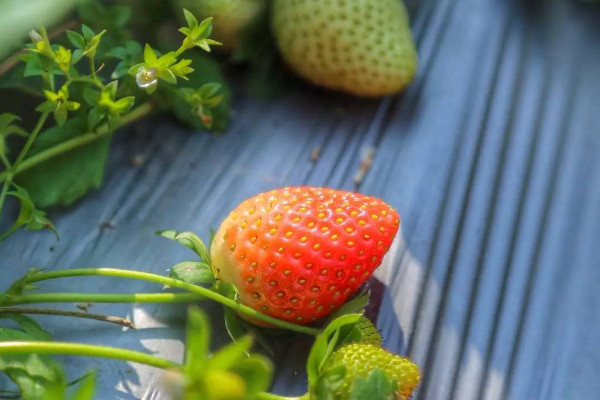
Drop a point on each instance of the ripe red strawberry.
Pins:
(298, 253)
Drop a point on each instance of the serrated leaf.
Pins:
(193, 272)
(62, 180)
(377, 386)
(189, 240)
(30, 217)
(338, 331)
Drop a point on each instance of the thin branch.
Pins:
(78, 314)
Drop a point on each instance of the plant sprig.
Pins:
(86, 108)
(231, 373)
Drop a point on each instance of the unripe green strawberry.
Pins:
(360, 359)
(298, 253)
(358, 46)
(230, 17)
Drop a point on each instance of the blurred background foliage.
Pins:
(17, 18)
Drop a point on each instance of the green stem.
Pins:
(4, 191)
(5, 161)
(32, 136)
(85, 79)
(76, 142)
(208, 293)
(89, 350)
(37, 298)
(271, 396)
(93, 67)
(10, 173)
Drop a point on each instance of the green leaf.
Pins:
(88, 34)
(168, 76)
(197, 340)
(91, 96)
(355, 306)
(76, 39)
(234, 325)
(193, 272)
(228, 290)
(166, 60)
(189, 240)
(229, 355)
(62, 180)
(206, 71)
(95, 115)
(46, 107)
(30, 217)
(257, 372)
(117, 52)
(21, 284)
(31, 372)
(376, 386)
(120, 70)
(77, 55)
(150, 56)
(6, 119)
(190, 19)
(86, 389)
(29, 326)
(343, 330)
(60, 114)
(123, 105)
(134, 69)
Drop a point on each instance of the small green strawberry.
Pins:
(361, 47)
(230, 17)
(298, 253)
(361, 359)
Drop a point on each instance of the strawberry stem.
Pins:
(78, 349)
(91, 350)
(37, 298)
(146, 276)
